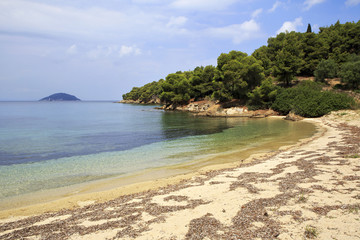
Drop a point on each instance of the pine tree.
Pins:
(309, 28)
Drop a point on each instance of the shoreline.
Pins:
(311, 184)
(110, 188)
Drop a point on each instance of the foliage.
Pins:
(308, 30)
(202, 81)
(176, 89)
(342, 39)
(263, 55)
(236, 75)
(263, 96)
(239, 76)
(315, 49)
(308, 100)
(288, 58)
(325, 69)
(144, 93)
(350, 72)
(311, 232)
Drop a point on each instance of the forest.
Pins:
(266, 78)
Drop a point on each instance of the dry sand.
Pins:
(310, 190)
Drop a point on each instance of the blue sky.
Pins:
(98, 50)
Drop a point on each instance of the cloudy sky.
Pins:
(98, 50)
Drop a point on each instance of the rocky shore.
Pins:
(306, 191)
(212, 109)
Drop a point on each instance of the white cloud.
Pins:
(113, 51)
(176, 21)
(32, 17)
(310, 3)
(290, 26)
(275, 6)
(256, 13)
(72, 50)
(237, 32)
(202, 5)
(129, 50)
(352, 2)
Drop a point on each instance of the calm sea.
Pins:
(46, 145)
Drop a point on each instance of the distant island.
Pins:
(60, 97)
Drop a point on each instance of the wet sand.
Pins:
(311, 189)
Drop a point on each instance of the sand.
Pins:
(309, 190)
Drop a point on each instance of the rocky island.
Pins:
(60, 97)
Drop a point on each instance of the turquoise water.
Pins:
(46, 145)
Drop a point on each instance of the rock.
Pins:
(236, 110)
(129, 101)
(293, 117)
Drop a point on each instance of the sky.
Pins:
(99, 50)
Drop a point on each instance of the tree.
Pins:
(350, 72)
(176, 89)
(289, 58)
(264, 95)
(325, 69)
(134, 94)
(308, 30)
(263, 55)
(236, 75)
(202, 81)
(308, 100)
(315, 49)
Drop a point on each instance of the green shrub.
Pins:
(308, 100)
(311, 232)
(325, 69)
(263, 96)
(350, 74)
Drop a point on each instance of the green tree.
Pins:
(308, 100)
(176, 89)
(315, 49)
(350, 72)
(134, 94)
(308, 30)
(202, 81)
(263, 55)
(264, 95)
(325, 69)
(342, 39)
(289, 55)
(236, 75)
(150, 91)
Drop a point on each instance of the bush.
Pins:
(308, 101)
(350, 74)
(263, 96)
(325, 69)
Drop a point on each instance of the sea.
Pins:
(51, 145)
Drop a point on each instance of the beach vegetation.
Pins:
(325, 69)
(311, 232)
(263, 96)
(354, 209)
(302, 199)
(265, 79)
(308, 100)
(350, 72)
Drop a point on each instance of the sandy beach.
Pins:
(307, 191)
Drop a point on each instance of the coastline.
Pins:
(222, 196)
(110, 188)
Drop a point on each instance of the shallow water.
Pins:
(47, 145)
